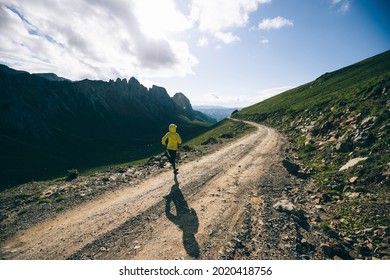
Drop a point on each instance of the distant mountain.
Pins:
(49, 124)
(186, 108)
(216, 112)
(339, 129)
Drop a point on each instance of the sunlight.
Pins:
(159, 18)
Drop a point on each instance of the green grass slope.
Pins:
(342, 116)
(341, 85)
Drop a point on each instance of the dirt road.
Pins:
(214, 208)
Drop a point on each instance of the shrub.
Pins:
(72, 174)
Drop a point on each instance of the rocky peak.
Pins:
(121, 81)
(182, 101)
(158, 98)
(134, 82)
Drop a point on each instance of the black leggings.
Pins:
(171, 155)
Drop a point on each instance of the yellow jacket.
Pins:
(174, 139)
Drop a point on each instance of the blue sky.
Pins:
(217, 52)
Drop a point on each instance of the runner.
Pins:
(172, 140)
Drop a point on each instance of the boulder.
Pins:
(353, 179)
(210, 141)
(324, 128)
(362, 139)
(352, 163)
(344, 147)
(368, 122)
(327, 250)
(335, 250)
(312, 129)
(288, 207)
(384, 130)
(291, 167)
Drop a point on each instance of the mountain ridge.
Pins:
(47, 121)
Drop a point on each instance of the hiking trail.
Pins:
(217, 207)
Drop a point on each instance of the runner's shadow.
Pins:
(185, 218)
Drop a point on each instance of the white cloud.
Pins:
(343, 6)
(227, 38)
(160, 17)
(202, 42)
(95, 39)
(215, 99)
(238, 100)
(264, 41)
(216, 16)
(275, 23)
(216, 96)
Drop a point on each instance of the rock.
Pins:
(324, 128)
(326, 250)
(384, 251)
(211, 141)
(348, 188)
(348, 240)
(291, 167)
(387, 172)
(352, 195)
(286, 206)
(309, 141)
(326, 198)
(186, 148)
(341, 252)
(344, 147)
(353, 179)
(121, 170)
(364, 250)
(367, 231)
(313, 130)
(368, 122)
(363, 139)
(333, 234)
(384, 130)
(352, 163)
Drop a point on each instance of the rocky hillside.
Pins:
(49, 124)
(339, 130)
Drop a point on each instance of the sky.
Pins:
(231, 53)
